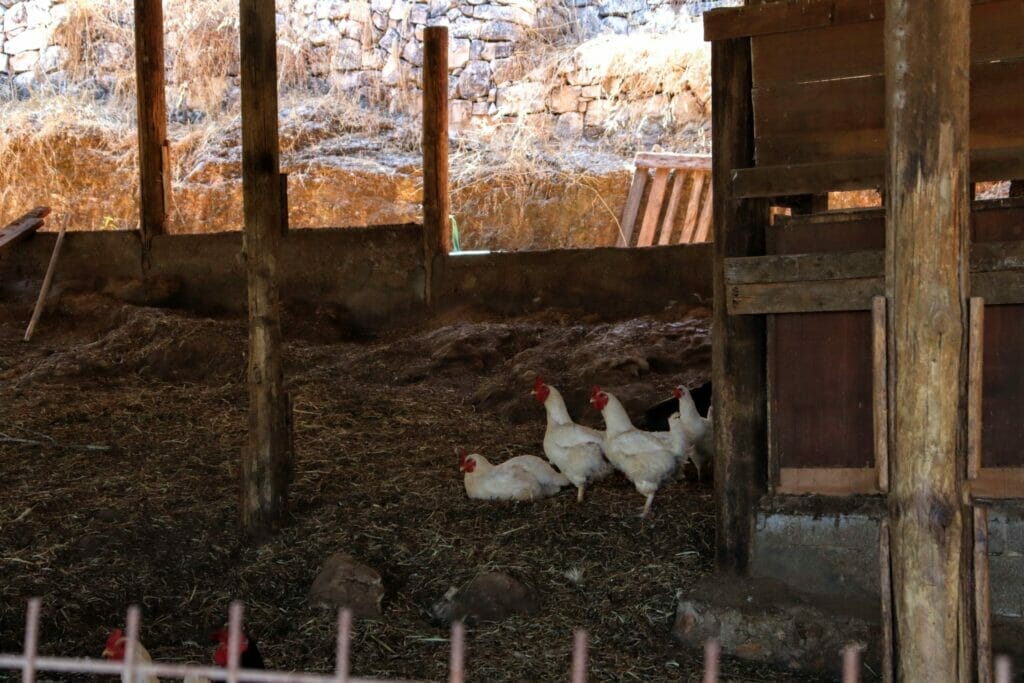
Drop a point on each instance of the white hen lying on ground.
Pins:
(576, 451)
(524, 477)
(646, 458)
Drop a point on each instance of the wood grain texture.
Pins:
(738, 354)
(680, 162)
(885, 586)
(23, 226)
(655, 201)
(880, 391)
(693, 209)
(829, 481)
(632, 208)
(998, 483)
(927, 231)
(154, 183)
(703, 233)
(982, 594)
(669, 223)
(267, 458)
(975, 366)
(437, 240)
(780, 17)
(44, 290)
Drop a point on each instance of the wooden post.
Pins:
(154, 182)
(436, 202)
(927, 232)
(739, 353)
(266, 461)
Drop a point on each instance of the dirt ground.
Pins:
(119, 446)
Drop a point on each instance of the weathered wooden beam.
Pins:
(739, 351)
(679, 162)
(632, 208)
(880, 391)
(267, 458)
(154, 158)
(436, 199)
(927, 283)
(844, 265)
(785, 17)
(858, 174)
(23, 226)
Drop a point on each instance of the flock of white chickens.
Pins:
(583, 455)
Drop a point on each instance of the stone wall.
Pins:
(374, 48)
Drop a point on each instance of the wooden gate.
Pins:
(688, 174)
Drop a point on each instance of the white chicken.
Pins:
(116, 650)
(576, 451)
(700, 436)
(647, 459)
(524, 477)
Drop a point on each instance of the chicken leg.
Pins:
(647, 505)
(579, 494)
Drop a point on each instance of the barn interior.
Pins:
(208, 416)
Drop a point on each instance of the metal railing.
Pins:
(30, 663)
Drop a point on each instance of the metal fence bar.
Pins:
(28, 670)
(344, 639)
(456, 673)
(131, 646)
(851, 664)
(234, 640)
(1004, 669)
(712, 651)
(579, 657)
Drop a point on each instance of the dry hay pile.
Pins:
(129, 495)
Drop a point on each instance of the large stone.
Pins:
(3, 63)
(348, 55)
(492, 51)
(23, 61)
(465, 27)
(502, 30)
(504, 70)
(521, 98)
(413, 53)
(458, 53)
(418, 14)
(32, 39)
(459, 113)
(619, 25)
(622, 8)
(513, 15)
(331, 9)
(564, 99)
(764, 621)
(52, 58)
(16, 17)
(569, 126)
(598, 112)
(324, 32)
(475, 80)
(492, 596)
(345, 582)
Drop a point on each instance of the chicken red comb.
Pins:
(538, 383)
(595, 390)
(462, 455)
(677, 391)
(115, 635)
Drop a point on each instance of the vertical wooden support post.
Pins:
(154, 181)
(880, 393)
(927, 232)
(739, 353)
(436, 202)
(266, 462)
(982, 595)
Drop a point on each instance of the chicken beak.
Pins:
(107, 654)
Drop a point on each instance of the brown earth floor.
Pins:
(151, 517)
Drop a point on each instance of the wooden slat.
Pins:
(885, 585)
(804, 297)
(22, 227)
(692, 209)
(655, 199)
(856, 50)
(668, 224)
(859, 174)
(976, 346)
(784, 17)
(632, 208)
(804, 267)
(998, 482)
(679, 162)
(880, 394)
(844, 119)
(833, 481)
(704, 224)
(982, 595)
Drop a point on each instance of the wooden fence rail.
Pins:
(685, 174)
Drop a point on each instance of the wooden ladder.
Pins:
(659, 219)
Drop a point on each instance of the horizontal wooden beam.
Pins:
(683, 162)
(858, 174)
(834, 481)
(846, 281)
(998, 482)
(22, 227)
(791, 16)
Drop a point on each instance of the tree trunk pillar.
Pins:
(436, 201)
(927, 232)
(154, 180)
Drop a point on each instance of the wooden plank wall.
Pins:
(819, 94)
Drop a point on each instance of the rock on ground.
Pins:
(492, 596)
(345, 582)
